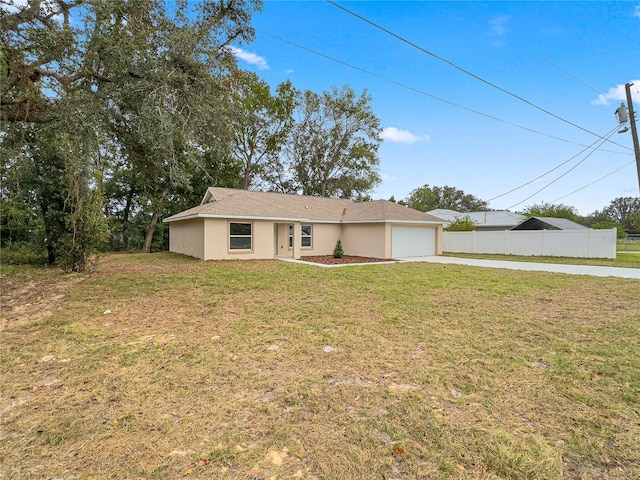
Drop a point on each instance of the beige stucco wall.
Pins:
(217, 240)
(365, 240)
(187, 237)
(439, 239)
(325, 236)
(361, 239)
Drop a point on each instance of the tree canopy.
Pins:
(622, 212)
(428, 198)
(260, 123)
(333, 145)
(125, 97)
(626, 211)
(54, 48)
(551, 210)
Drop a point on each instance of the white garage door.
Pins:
(413, 242)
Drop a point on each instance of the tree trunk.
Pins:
(79, 186)
(51, 253)
(125, 217)
(146, 248)
(79, 249)
(246, 177)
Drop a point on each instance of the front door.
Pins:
(282, 240)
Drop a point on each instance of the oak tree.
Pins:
(333, 149)
(428, 198)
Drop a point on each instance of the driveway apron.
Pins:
(596, 271)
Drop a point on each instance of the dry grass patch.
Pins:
(268, 369)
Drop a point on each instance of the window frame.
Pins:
(240, 235)
(303, 236)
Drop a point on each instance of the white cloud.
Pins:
(47, 7)
(13, 6)
(401, 136)
(498, 25)
(250, 58)
(618, 93)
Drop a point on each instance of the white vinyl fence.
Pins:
(552, 243)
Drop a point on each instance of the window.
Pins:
(305, 239)
(240, 236)
(305, 236)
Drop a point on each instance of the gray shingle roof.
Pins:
(489, 218)
(549, 223)
(234, 203)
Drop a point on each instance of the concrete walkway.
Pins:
(535, 267)
(528, 266)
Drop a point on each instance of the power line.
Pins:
(595, 181)
(603, 57)
(467, 72)
(549, 171)
(484, 19)
(565, 173)
(421, 92)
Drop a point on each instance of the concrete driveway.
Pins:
(534, 267)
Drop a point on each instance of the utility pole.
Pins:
(634, 131)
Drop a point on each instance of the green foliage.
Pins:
(626, 211)
(333, 148)
(462, 224)
(260, 123)
(553, 211)
(608, 224)
(20, 222)
(51, 183)
(170, 117)
(622, 211)
(593, 218)
(132, 104)
(635, 221)
(428, 198)
(22, 254)
(338, 252)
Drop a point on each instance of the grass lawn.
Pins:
(623, 259)
(629, 245)
(274, 370)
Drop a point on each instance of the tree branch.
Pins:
(20, 112)
(13, 20)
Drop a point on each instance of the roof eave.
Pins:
(292, 219)
(240, 217)
(396, 220)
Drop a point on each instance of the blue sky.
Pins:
(570, 58)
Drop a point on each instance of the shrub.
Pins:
(22, 255)
(610, 224)
(338, 252)
(462, 224)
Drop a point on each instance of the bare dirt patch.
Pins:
(26, 297)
